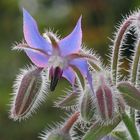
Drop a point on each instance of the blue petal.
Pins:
(72, 42)
(38, 59)
(69, 74)
(32, 35)
(81, 65)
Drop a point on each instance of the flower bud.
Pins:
(106, 100)
(29, 89)
(87, 107)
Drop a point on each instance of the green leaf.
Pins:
(98, 131)
(130, 94)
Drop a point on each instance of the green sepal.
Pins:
(98, 130)
(130, 94)
(68, 101)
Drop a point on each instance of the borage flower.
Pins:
(60, 56)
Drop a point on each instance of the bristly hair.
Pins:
(138, 77)
(50, 33)
(15, 46)
(99, 65)
(130, 22)
(79, 129)
(123, 61)
(40, 97)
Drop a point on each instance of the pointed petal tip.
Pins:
(79, 22)
(72, 43)
(24, 11)
(80, 18)
(32, 34)
(26, 15)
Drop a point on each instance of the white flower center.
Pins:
(57, 61)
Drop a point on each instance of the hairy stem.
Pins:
(130, 125)
(66, 128)
(134, 74)
(135, 65)
(116, 45)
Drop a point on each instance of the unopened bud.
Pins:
(28, 93)
(105, 100)
(87, 107)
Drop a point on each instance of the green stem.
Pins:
(134, 75)
(130, 126)
(132, 114)
(135, 65)
(116, 46)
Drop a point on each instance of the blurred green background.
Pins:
(99, 19)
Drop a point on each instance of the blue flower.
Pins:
(60, 56)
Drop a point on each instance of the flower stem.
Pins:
(130, 126)
(116, 45)
(135, 64)
(132, 114)
(66, 128)
(134, 74)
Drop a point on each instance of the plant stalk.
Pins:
(134, 75)
(130, 125)
(116, 45)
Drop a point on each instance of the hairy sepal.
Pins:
(130, 94)
(97, 131)
(30, 90)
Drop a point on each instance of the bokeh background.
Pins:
(98, 23)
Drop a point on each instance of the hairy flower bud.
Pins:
(105, 102)
(106, 99)
(29, 89)
(87, 107)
